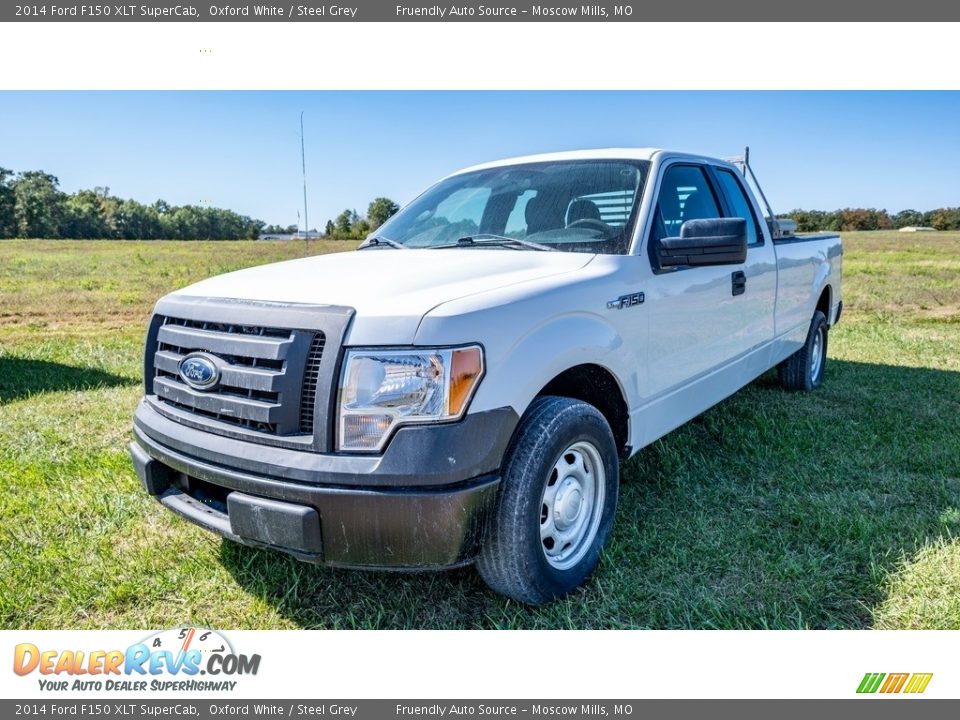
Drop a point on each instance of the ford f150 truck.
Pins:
(464, 386)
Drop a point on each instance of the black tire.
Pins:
(804, 369)
(513, 558)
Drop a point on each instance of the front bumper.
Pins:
(422, 504)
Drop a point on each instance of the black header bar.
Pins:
(859, 13)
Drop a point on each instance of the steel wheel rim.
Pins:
(571, 505)
(816, 362)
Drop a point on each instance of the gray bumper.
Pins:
(422, 504)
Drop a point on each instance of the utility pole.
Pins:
(303, 161)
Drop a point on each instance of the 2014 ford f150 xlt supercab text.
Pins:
(463, 386)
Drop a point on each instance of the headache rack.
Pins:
(779, 227)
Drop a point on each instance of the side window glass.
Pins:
(685, 195)
(741, 206)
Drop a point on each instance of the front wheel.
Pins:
(804, 369)
(554, 512)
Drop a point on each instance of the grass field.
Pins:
(837, 509)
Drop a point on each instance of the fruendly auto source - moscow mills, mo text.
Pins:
(303, 11)
(533, 11)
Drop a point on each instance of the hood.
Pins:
(391, 290)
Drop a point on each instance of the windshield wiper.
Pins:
(488, 239)
(382, 242)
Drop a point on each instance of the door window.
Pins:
(741, 206)
(685, 194)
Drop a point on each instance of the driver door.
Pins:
(694, 315)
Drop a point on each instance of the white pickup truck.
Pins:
(464, 386)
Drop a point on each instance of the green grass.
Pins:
(837, 509)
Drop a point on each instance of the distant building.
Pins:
(312, 235)
(917, 228)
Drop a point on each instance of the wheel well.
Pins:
(823, 304)
(595, 385)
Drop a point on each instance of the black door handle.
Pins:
(739, 279)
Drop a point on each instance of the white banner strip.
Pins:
(492, 664)
(465, 56)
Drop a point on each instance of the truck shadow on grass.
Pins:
(771, 510)
(23, 377)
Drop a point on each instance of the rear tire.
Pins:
(554, 512)
(804, 369)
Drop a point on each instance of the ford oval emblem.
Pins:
(199, 371)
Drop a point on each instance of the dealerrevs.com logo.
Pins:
(172, 660)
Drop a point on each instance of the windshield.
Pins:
(572, 206)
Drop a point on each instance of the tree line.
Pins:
(33, 206)
(348, 225)
(849, 219)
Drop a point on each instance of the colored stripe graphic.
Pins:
(918, 683)
(870, 682)
(894, 683)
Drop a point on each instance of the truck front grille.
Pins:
(268, 376)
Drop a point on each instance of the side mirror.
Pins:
(717, 241)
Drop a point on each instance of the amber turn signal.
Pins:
(466, 367)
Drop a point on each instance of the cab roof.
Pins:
(647, 153)
(636, 153)
(596, 154)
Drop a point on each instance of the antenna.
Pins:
(303, 162)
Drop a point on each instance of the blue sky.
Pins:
(241, 150)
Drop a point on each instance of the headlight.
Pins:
(384, 389)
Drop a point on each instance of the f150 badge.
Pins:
(625, 301)
(199, 371)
